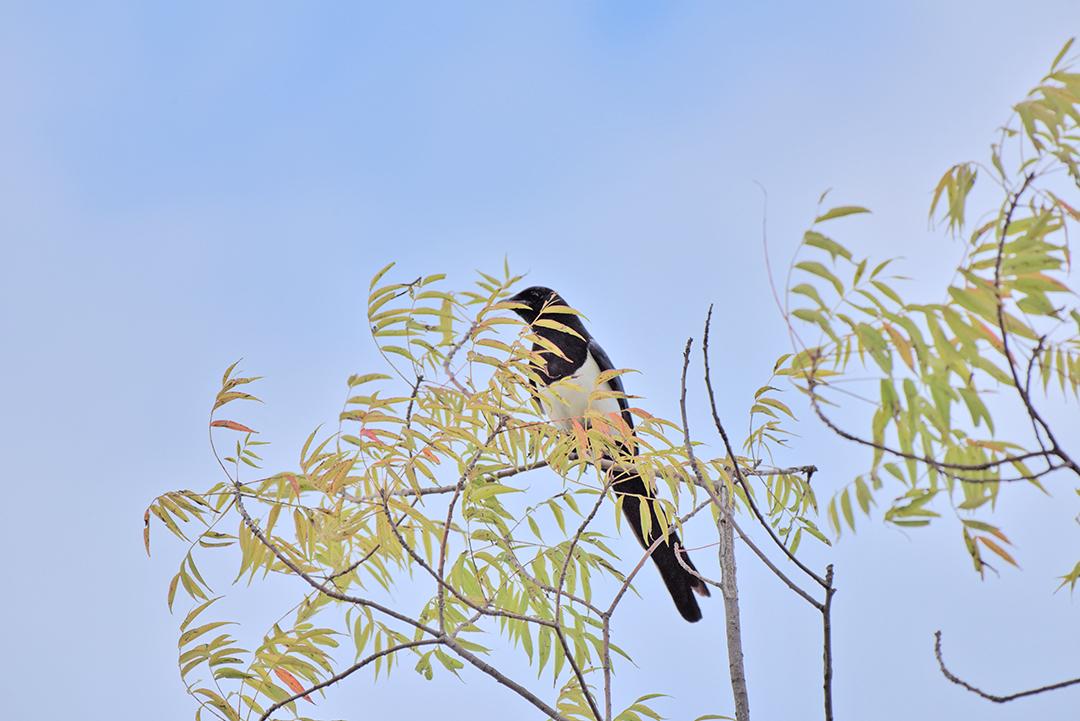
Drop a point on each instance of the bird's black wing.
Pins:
(616, 384)
(633, 491)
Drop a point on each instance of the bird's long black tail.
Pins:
(680, 584)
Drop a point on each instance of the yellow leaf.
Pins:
(997, 549)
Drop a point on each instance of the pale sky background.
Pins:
(186, 184)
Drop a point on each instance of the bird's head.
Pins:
(533, 300)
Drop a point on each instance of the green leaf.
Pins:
(839, 212)
(816, 240)
(818, 269)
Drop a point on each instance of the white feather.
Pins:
(567, 400)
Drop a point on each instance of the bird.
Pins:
(569, 382)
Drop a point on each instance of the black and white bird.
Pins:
(569, 384)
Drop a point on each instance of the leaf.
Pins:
(1061, 54)
(146, 531)
(845, 505)
(834, 249)
(820, 270)
(223, 398)
(379, 275)
(556, 325)
(172, 590)
(229, 370)
(370, 435)
(294, 482)
(355, 380)
(581, 440)
(993, 546)
(232, 425)
(292, 683)
(840, 211)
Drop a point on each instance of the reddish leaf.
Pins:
(370, 435)
(621, 424)
(292, 683)
(430, 455)
(232, 425)
(601, 426)
(294, 482)
(581, 439)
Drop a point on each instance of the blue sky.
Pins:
(184, 185)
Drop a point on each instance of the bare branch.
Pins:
(606, 663)
(738, 472)
(807, 471)
(990, 696)
(679, 553)
(776, 571)
(729, 585)
(826, 630)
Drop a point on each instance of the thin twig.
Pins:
(450, 358)
(449, 488)
(524, 573)
(558, 602)
(1037, 420)
(951, 469)
(776, 571)
(738, 472)
(311, 581)
(645, 557)
(441, 596)
(347, 672)
(679, 553)
(990, 696)
(443, 584)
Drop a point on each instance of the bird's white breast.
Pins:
(567, 399)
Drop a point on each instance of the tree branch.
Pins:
(558, 602)
(505, 680)
(347, 672)
(776, 571)
(441, 596)
(990, 696)
(738, 472)
(826, 630)
(728, 581)
(1037, 420)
